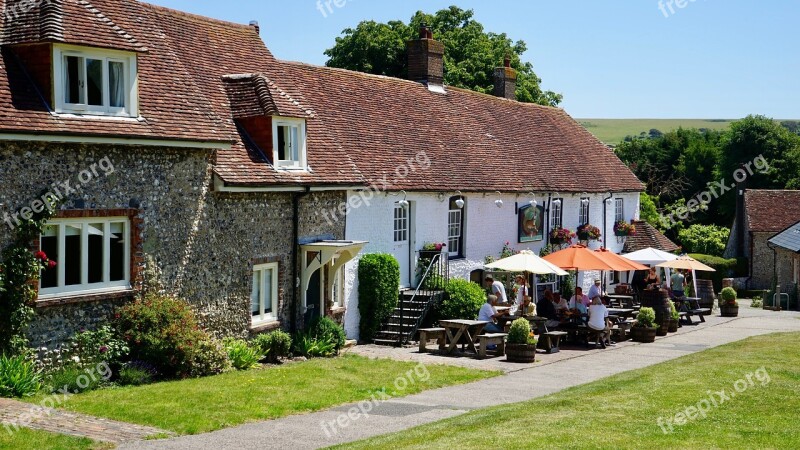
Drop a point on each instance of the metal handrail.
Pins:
(437, 261)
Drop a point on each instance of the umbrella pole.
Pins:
(694, 283)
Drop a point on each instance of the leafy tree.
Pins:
(471, 53)
(648, 211)
(704, 239)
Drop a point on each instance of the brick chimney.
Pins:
(425, 59)
(505, 81)
(254, 25)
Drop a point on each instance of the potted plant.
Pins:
(729, 307)
(674, 318)
(521, 344)
(645, 328)
(588, 233)
(561, 236)
(623, 228)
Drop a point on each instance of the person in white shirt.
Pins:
(498, 289)
(598, 320)
(488, 313)
(579, 301)
(523, 295)
(596, 290)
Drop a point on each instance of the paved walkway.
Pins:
(14, 414)
(552, 374)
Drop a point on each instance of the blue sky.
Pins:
(610, 59)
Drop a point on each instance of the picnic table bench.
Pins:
(431, 333)
(484, 340)
(462, 328)
(691, 306)
(549, 341)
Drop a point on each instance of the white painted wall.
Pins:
(487, 229)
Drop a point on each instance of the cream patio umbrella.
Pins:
(528, 262)
(686, 262)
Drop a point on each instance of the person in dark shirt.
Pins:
(546, 309)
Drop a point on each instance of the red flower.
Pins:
(41, 255)
(51, 264)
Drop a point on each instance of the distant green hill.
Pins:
(613, 131)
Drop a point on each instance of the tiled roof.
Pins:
(475, 142)
(771, 210)
(648, 236)
(788, 238)
(254, 94)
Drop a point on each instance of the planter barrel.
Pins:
(673, 325)
(705, 292)
(729, 310)
(520, 353)
(659, 301)
(642, 334)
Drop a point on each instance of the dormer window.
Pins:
(95, 82)
(289, 143)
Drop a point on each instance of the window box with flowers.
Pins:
(561, 236)
(588, 232)
(623, 229)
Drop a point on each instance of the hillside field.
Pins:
(613, 131)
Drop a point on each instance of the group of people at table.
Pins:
(556, 311)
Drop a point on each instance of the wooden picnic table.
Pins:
(462, 328)
(621, 312)
(622, 299)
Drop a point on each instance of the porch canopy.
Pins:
(328, 255)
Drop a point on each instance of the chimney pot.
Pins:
(424, 31)
(255, 26)
(426, 59)
(507, 62)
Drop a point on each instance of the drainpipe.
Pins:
(605, 225)
(296, 255)
(547, 220)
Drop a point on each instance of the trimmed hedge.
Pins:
(463, 300)
(726, 268)
(378, 291)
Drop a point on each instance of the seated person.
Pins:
(652, 280)
(560, 304)
(579, 302)
(488, 313)
(545, 308)
(598, 320)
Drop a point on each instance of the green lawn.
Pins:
(207, 404)
(613, 131)
(41, 440)
(622, 411)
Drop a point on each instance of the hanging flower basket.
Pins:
(588, 233)
(561, 236)
(623, 229)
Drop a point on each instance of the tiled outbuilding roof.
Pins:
(771, 210)
(648, 236)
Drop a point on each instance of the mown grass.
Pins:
(28, 439)
(207, 404)
(613, 131)
(623, 411)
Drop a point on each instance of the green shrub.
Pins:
(673, 311)
(725, 268)
(276, 344)
(242, 355)
(378, 291)
(18, 377)
(463, 300)
(519, 332)
(326, 329)
(705, 239)
(646, 318)
(164, 332)
(757, 302)
(313, 347)
(75, 379)
(728, 296)
(136, 374)
(568, 285)
(95, 347)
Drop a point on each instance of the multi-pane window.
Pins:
(91, 255)
(455, 229)
(583, 216)
(400, 223)
(619, 210)
(264, 293)
(94, 82)
(556, 213)
(289, 143)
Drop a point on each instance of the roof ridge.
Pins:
(116, 28)
(191, 15)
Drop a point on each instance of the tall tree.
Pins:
(471, 53)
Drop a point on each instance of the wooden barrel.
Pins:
(705, 292)
(659, 301)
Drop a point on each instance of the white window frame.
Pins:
(85, 287)
(556, 214)
(456, 225)
(400, 223)
(619, 210)
(300, 124)
(128, 59)
(583, 214)
(272, 316)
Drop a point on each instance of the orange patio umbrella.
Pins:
(620, 263)
(578, 258)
